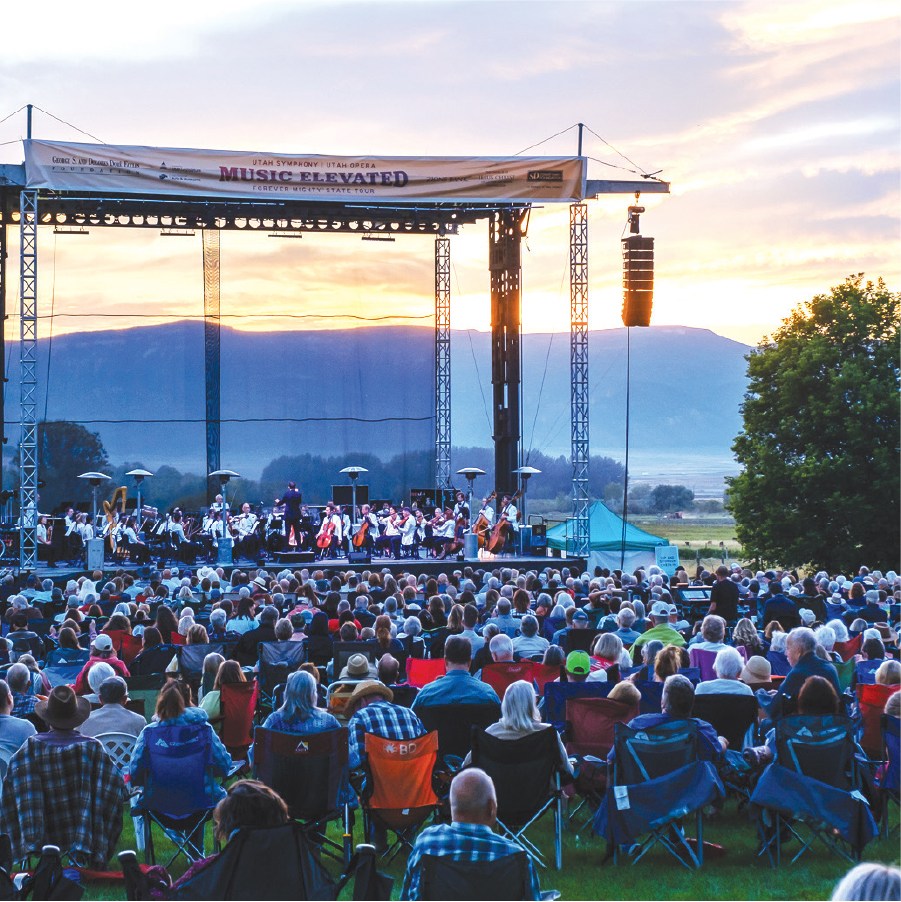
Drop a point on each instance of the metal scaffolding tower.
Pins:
(211, 356)
(507, 228)
(578, 361)
(28, 334)
(442, 365)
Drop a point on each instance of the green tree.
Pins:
(820, 449)
(64, 451)
(672, 498)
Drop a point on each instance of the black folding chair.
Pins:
(526, 776)
(277, 660)
(730, 715)
(341, 652)
(308, 771)
(440, 877)
(191, 658)
(454, 724)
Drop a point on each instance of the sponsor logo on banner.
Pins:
(545, 175)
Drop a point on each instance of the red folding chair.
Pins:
(501, 675)
(130, 649)
(871, 699)
(116, 636)
(238, 703)
(179, 639)
(422, 671)
(398, 791)
(848, 649)
(544, 673)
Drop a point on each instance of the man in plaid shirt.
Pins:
(373, 712)
(470, 837)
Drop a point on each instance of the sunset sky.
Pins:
(776, 123)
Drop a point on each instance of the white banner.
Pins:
(230, 174)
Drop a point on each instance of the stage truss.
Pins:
(508, 224)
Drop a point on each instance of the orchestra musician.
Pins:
(45, 549)
(244, 530)
(407, 525)
(369, 526)
(508, 512)
(443, 532)
(138, 550)
(486, 511)
(186, 550)
(461, 508)
(292, 501)
(331, 528)
(390, 538)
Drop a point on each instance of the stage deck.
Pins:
(430, 566)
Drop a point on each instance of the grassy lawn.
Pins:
(738, 875)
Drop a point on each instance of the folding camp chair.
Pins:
(63, 674)
(422, 671)
(656, 760)
(129, 649)
(590, 724)
(147, 688)
(556, 696)
(175, 797)
(441, 877)
(191, 658)
(865, 671)
(848, 649)
(501, 675)
(651, 696)
(871, 701)
(276, 661)
(338, 695)
(814, 782)
(270, 862)
(542, 674)
(454, 724)
(526, 777)
(845, 672)
(341, 652)
(779, 665)
(889, 781)
(398, 791)
(153, 660)
(308, 772)
(579, 640)
(237, 703)
(703, 659)
(730, 715)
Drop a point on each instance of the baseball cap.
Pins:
(103, 642)
(580, 615)
(577, 662)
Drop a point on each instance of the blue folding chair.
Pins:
(657, 782)
(814, 782)
(557, 694)
(179, 760)
(890, 781)
(651, 696)
(865, 671)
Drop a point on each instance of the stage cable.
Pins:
(622, 558)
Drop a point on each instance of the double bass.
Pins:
(482, 527)
(498, 538)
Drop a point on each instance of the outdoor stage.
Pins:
(430, 566)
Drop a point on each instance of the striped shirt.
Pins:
(381, 718)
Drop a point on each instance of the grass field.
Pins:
(737, 875)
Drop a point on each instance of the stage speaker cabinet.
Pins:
(538, 529)
(359, 557)
(95, 553)
(224, 549)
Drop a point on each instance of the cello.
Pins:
(498, 538)
(482, 527)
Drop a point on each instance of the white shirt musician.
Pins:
(508, 510)
(246, 521)
(407, 528)
(370, 520)
(461, 507)
(486, 511)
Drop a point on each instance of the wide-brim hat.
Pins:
(367, 688)
(358, 665)
(63, 709)
(757, 670)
